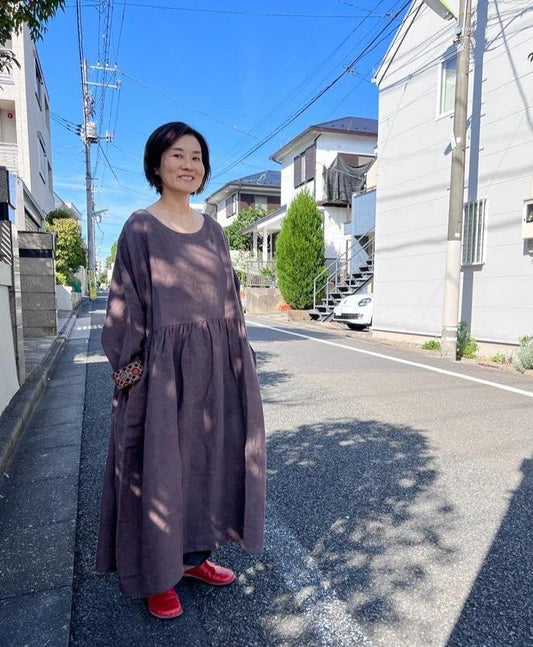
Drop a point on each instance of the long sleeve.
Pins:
(124, 332)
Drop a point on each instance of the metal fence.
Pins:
(261, 274)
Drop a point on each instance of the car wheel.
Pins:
(355, 326)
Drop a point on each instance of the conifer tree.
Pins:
(300, 251)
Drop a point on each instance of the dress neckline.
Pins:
(179, 233)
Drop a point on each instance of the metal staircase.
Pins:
(338, 280)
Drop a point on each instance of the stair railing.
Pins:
(337, 272)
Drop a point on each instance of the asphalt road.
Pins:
(398, 514)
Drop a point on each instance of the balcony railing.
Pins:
(8, 156)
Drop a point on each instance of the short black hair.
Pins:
(161, 140)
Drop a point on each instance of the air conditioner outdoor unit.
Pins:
(527, 221)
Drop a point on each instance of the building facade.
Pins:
(26, 260)
(416, 83)
(25, 146)
(260, 189)
(324, 160)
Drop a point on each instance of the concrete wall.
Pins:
(414, 155)
(8, 364)
(37, 273)
(262, 300)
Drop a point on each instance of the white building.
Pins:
(259, 189)
(315, 160)
(59, 203)
(25, 147)
(416, 83)
(25, 151)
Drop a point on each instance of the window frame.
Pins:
(473, 252)
(441, 76)
(43, 157)
(305, 175)
(39, 83)
(232, 205)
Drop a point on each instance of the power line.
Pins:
(181, 103)
(372, 45)
(297, 90)
(234, 12)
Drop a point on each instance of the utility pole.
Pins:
(90, 136)
(452, 275)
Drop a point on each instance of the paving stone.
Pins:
(47, 611)
(36, 463)
(37, 558)
(36, 503)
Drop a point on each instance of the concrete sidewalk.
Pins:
(40, 355)
(38, 498)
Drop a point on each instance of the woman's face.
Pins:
(181, 166)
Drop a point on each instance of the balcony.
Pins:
(8, 156)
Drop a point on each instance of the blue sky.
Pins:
(235, 71)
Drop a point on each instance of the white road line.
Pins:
(426, 367)
(322, 610)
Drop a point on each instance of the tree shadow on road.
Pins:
(499, 609)
(359, 497)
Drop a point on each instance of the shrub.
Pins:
(61, 278)
(74, 283)
(466, 345)
(300, 251)
(70, 251)
(523, 355)
(246, 217)
(432, 344)
(499, 358)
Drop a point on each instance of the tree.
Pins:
(70, 252)
(246, 217)
(14, 13)
(57, 214)
(112, 256)
(300, 251)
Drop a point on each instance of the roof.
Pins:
(349, 125)
(396, 43)
(265, 179)
(272, 216)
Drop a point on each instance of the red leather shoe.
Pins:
(211, 574)
(165, 605)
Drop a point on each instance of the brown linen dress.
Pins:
(186, 461)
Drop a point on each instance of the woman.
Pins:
(186, 462)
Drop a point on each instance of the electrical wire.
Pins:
(233, 12)
(181, 103)
(367, 49)
(295, 92)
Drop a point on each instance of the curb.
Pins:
(21, 406)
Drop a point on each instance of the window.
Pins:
(304, 166)
(246, 200)
(474, 233)
(231, 206)
(448, 72)
(38, 83)
(42, 161)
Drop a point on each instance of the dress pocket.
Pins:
(135, 410)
